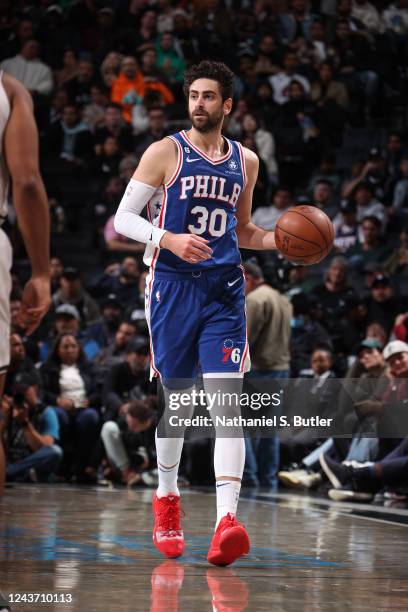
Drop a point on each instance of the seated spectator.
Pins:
(384, 305)
(268, 56)
(261, 189)
(331, 98)
(129, 87)
(128, 442)
(335, 290)
(306, 333)
(56, 270)
(114, 126)
(297, 135)
(20, 364)
(93, 114)
(29, 69)
(264, 142)
(127, 380)
(103, 331)
(169, 60)
(397, 263)
(69, 383)
(326, 171)
(371, 248)
(71, 292)
(32, 433)
(400, 194)
(265, 105)
(106, 164)
(115, 352)
(110, 68)
(79, 87)
(127, 168)
(121, 279)
(345, 227)
(368, 206)
(58, 102)
(155, 131)
(281, 81)
(267, 216)
(360, 482)
(323, 198)
(296, 24)
(69, 68)
(149, 65)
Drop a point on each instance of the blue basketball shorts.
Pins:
(197, 322)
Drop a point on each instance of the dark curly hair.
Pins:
(217, 71)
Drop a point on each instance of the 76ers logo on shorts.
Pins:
(230, 353)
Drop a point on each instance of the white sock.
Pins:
(169, 450)
(227, 498)
(168, 460)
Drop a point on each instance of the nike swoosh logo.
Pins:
(233, 282)
(222, 485)
(193, 160)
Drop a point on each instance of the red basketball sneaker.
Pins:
(167, 534)
(230, 541)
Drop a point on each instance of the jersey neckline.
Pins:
(206, 157)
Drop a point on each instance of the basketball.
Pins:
(304, 235)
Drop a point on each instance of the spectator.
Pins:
(323, 197)
(115, 352)
(383, 305)
(366, 13)
(72, 292)
(264, 142)
(69, 384)
(169, 60)
(103, 331)
(110, 68)
(32, 433)
(129, 87)
(371, 248)
(128, 443)
(69, 68)
(269, 314)
(29, 69)
(155, 131)
(56, 270)
(79, 87)
(268, 56)
(336, 289)
(267, 216)
(332, 101)
(295, 24)
(106, 164)
(345, 227)
(93, 114)
(120, 279)
(20, 364)
(400, 195)
(397, 263)
(127, 380)
(114, 126)
(368, 206)
(280, 82)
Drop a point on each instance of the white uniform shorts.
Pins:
(5, 288)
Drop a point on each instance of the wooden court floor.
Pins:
(95, 545)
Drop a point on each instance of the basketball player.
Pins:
(198, 187)
(19, 159)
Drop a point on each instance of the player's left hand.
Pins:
(35, 303)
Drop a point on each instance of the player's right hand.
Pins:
(188, 247)
(35, 303)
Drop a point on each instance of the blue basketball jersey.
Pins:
(201, 198)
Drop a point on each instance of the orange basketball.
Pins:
(304, 235)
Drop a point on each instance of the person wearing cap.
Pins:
(384, 305)
(345, 226)
(103, 331)
(361, 482)
(32, 433)
(71, 292)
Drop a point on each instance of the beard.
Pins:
(207, 123)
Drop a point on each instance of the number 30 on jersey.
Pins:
(215, 223)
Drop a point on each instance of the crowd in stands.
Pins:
(321, 94)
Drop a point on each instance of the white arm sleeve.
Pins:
(128, 221)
